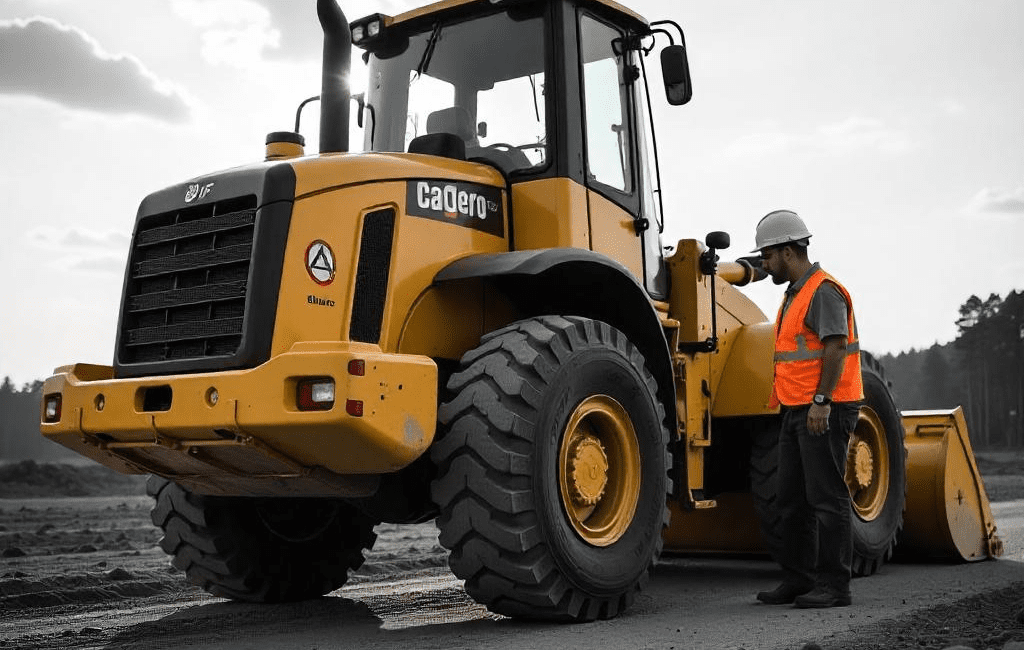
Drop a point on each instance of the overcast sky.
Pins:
(895, 128)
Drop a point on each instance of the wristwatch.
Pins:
(822, 400)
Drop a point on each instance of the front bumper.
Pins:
(240, 432)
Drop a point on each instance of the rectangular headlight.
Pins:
(51, 408)
(315, 395)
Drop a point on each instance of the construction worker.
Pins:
(818, 388)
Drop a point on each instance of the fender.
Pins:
(582, 283)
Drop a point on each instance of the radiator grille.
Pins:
(187, 283)
(371, 288)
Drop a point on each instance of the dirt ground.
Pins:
(93, 552)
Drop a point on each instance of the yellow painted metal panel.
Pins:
(550, 213)
(445, 321)
(324, 172)
(745, 367)
(613, 234)
(421, 248)
(399, 395)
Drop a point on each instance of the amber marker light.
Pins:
(51, 408)
(315, 395)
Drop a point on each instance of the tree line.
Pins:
(982, 370)
(19, 425)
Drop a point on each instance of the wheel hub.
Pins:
(867, 466)
(599, 473)
(589, 471)
(863, 462)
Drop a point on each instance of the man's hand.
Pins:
(817, 418)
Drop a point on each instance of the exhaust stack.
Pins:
(335, 93)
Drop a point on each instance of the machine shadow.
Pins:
(212, 624)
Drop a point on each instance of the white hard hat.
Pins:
(780, 227)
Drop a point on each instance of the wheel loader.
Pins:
(473, 320)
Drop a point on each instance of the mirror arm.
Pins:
(673, 23)
(298, 112)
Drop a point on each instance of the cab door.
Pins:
(620, 197)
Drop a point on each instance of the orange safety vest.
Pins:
(799, 353)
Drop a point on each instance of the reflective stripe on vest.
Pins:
(799, 353)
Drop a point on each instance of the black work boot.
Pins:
(821, 598)
(784, 594)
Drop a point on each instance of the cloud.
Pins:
(233, 32)
(77, 239)
(952, 107)
(998, 200)
(46, 59)
(852, 135)
(246, 33)
(105, 264)
(80, 249)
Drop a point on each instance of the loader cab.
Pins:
(542, 91)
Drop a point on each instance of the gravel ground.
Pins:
(989, 621)
(116, 547)
(993, 620)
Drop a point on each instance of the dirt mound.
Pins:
(988, 620)
(21, 592)
(29, 479)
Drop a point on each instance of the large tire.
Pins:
(764, 468)
(876, 471)
(260, 550)
(553, 470)
(875, 474)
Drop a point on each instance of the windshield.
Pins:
(481, 80)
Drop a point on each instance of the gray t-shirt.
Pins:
(826, 315)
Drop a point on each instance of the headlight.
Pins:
(315, 395)
(51, 408)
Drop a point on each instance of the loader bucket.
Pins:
(947, 513)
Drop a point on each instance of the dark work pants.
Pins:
(814, 501)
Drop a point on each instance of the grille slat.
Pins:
(192, 261)
(184, 331)
(190, 296)
(229, 221)
(189, 283)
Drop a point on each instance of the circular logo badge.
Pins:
(320, 262)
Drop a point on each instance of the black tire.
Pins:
(877, 508)
(764, 467)
(260, 550)
(524, 545)
(876, 529)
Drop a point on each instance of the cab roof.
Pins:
(445, 5)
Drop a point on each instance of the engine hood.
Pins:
(315, 174)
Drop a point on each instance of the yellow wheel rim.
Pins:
(599, 470)
(867, 465)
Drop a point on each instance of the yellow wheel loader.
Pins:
(474, 320)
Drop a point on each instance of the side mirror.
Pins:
(675, 71)
(717, 239)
